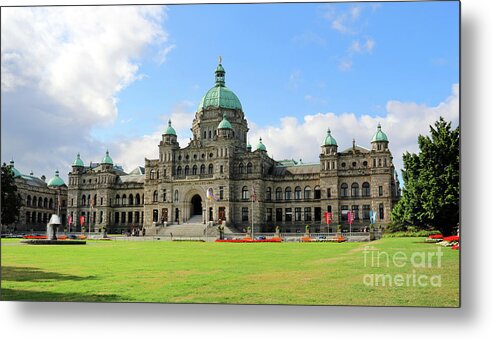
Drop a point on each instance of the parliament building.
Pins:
(244, 184)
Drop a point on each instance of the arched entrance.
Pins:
(196, 205)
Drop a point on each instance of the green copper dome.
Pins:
(14, 170)
(78, 162)
(56, 181)
(379, 136)
(170, 130)
(261, 146)
(329, 140)
(220, 95)
(225, 124)
(107, 159)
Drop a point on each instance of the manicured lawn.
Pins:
(267, 273)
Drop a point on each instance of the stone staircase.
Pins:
(192, 228)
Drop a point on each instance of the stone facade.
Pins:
(173, 188)
(39, 202)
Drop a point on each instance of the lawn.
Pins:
(265, 273)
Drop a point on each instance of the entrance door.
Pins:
(222, 215)
(196, 205)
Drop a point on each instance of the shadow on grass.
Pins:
(13, 273)
(8, 294)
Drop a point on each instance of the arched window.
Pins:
(95, 199)
(123, 199)
(249, 168)
(241, 168)
(155, 196)
(51, 203)
(278, 194)
(344, 190)
(179, 171)
(45, 203)
(176, 195)
(317, 192)
(366, 189)
(245, 193)
(202, 169)
(28, 203)
(117, 199)
(210, 169)
(130, 199)
(297, 193)
(307, 192)
(268, 194)
(195, 169)
(137, 199)
(288, 192)
(355, 189)
(84, 201)
(152, 175)
(187, 170)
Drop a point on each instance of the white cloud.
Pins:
(403, 122)
(345, 65)
(357, 47)
(62, 70)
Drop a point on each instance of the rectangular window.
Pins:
(244, 214)
(221, 192)
(317, 214)
(365, 212)
(380, 191)
(329, 208)
(278, 214)
(297, 212)
(221, 169)
(155, 215)
(381, 211)
(116, 217)
(130, 217)
(269, 216)
(164, 195)
(123, 217)
(355, 210)
(317, 193)
(288, 214)
(307, 213)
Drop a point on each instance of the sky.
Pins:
(90, 79)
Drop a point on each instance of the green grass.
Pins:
(265, 273)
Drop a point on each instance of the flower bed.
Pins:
(249, 240)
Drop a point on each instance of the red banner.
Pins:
(69, 220)
(328, 217)
(82, 220)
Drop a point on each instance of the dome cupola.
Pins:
(224, 124)
(261, 146)
(220, 96)
(380, 135)
(15, 171)
(56, 181)
(329, 140)
(170, 130)
(78, 162)
(107, 159)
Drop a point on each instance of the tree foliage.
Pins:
(430, 197)
(11, 200)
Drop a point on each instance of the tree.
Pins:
(11, 200)
(430, 197)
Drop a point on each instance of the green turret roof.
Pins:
(329, 140)
(14, 170)
(78, 162)
(220, 95)
(170, 130)
(107, 159)
(56, 181)
(261, 146)
(379, 136)
(224, 124)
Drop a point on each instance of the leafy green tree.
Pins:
(11, 200)
(430, 197)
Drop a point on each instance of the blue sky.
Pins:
(297, 69)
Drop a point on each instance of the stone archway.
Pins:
(196, 205)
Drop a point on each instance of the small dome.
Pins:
(14, 170)
(329, 140)
(107, 159)
(170, 130)
(78, 162)
(261, 146)
(379, 136)
(56, 181)
(225, 124)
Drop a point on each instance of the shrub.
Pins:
(422, 233)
